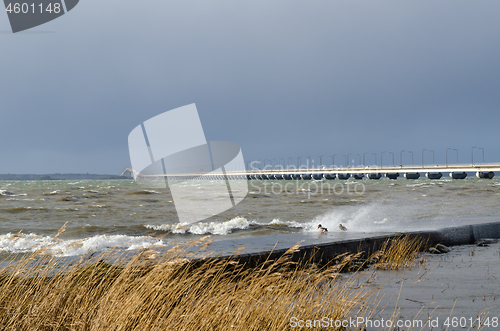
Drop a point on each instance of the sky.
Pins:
(281, 78)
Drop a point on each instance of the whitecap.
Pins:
(218, 228)
(10, 194)
(23, 243)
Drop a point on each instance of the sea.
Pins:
(99, 216)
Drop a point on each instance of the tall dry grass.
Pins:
(400, 252)
(170, 292)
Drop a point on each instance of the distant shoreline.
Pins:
(58, 177)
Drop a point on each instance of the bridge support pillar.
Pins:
(458, 175)
(392, 175)
(409, 175)
(433, 175)
(487, 175)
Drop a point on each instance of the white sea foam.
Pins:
(10, 194)
(381, 222)
(23, 243)
(376, 217)
(366, 218)
(276, 221)
(222, 228)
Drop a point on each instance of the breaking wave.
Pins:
(224, 228)
(10, 194)
(24, 243)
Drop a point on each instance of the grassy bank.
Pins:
(170, 292)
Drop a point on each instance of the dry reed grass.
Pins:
(400, 252)
(175, 293)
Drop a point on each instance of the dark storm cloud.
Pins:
(281, 78)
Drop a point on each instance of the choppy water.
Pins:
(104, 214)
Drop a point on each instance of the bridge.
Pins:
(456, 171)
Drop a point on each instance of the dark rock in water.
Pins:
(433, 250)
(442, 248)
(486, 242)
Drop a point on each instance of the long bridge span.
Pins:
(456, 171)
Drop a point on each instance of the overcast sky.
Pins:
(282, 78)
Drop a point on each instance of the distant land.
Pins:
(59, 177)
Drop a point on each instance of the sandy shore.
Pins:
(463, 285)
